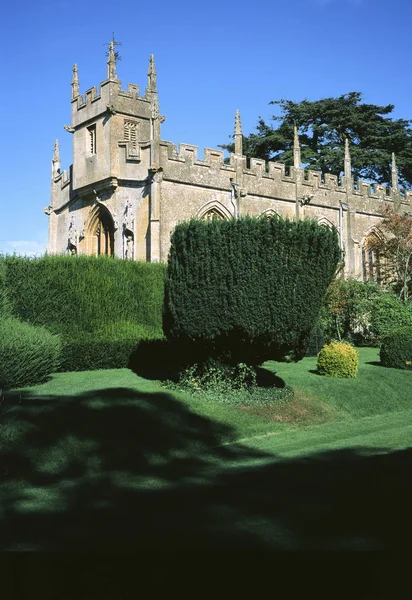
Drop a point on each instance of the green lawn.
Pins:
(108, 460)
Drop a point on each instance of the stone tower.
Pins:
(127, 188)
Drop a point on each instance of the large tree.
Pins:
(323, 126)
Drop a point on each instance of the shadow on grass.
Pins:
(266, 378)
(315, 372)
(375, 363)
(120, 470)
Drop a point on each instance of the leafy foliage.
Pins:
(217, 376)
(228, 384)
(361, 312)
(338, 359)
(28, 354)
(323, 126)
(395, 246)
(396, 349)
(246, 290)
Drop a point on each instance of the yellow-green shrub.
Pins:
(338, 359)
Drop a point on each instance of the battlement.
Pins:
(62, 179)
(269, 179)
(114, 91)
(189, 154)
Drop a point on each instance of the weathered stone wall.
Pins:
(148, 185)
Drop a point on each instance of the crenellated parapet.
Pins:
(129, 185)
(259, 178)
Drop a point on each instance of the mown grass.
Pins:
(107, 460)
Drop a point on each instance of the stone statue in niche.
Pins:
(74, 236)
(128, 230)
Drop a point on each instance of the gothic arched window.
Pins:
(213, 214)
(371, 260)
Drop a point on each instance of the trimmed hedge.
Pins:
(338, 359)
(396, 349)
(5, 308)
(246, 290)
(28, 354)
(101, 306)
(110, 348)
(84, 291)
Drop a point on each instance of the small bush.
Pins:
(396, 349)
(338, 359)
(213, 375)
(28, 354)
(389, 314)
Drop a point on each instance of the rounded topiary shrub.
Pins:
(338, 359)
(396, 349)
(28, 354)
(248, 289)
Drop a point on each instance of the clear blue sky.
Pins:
(211, 58)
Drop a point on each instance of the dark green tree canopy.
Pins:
(323, 126)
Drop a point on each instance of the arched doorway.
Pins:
(100, 233)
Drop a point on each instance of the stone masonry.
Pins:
(127, 188)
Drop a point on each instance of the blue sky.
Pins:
(211, 58)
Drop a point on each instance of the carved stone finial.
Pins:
(56, 159)
(238, 134)
(151, 85)
(348, 164)
(75, 83)
(111, 63)
(56, 152)
(296, 148)
(394, 170)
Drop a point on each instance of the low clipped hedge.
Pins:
(396, 349)
(108, 348)
(28, 354)
(338, 359)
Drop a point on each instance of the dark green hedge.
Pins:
(84, 291)
(102, 307)
(396, 349)
(108, 348)
(249, 289)
(28, 354)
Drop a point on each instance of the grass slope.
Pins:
(107, 460)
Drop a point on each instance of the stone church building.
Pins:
(127, 188)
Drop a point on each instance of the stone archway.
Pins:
(214, 210)
(99, 236)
